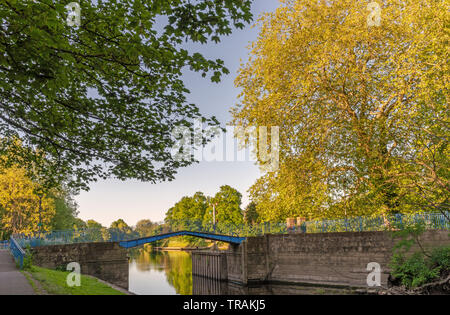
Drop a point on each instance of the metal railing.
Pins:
(355, 224)
(17, 251)
(380, 223)
(4, 244)
(74, 236)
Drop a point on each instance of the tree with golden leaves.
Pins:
(19, 204)
(362, 108)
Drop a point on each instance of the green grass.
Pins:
(54, 282)
(32, 282)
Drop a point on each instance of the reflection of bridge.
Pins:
(215, 237)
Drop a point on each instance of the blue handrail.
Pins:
(4, 244)
(17, 251)
(210, 236)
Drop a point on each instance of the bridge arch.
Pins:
(215, 237)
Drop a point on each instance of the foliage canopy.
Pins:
(100, 99)
(363, 109)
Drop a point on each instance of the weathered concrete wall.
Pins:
(106, 261)
(235, 270)
(210, 264)
(324, 258)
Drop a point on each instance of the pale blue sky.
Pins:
(109, 200)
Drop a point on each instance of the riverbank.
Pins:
(183, 245)
(187, 248)
(53, 282)
(440, 286)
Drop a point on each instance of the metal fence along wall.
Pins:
(380, 223)
(356, 224)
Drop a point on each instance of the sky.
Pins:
(109, 200)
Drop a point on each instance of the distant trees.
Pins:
(79, 224)
(65, 211)
(120, 229)
(196, 212)
(250, 214)
(120, 225)
(188, 211)
(146, 227)
(92, 224)
(227, 207)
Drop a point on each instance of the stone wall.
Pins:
(324, 258)
(235, 263)
(106, 261)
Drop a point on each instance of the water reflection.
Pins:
(204, 286)
(156, 272)
(170, 272)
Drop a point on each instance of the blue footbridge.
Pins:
(235, 240)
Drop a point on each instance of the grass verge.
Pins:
(54, 282)
(36, 287)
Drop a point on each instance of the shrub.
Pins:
(418, 269)
(28, 259)
(441, 257)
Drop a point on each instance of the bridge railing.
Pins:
(17, 251)
(4, 244)
(351, 224)
(380, 223)
(74, 236)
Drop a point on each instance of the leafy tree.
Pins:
(145, 227)
(228, 208)
(120, 230)
(188, 213)
(65, 212)
(363, 108)
(92, 224)
(79, 224)
(101, 99)
(119, 225)
(61, 196)
(96, 231)
(429, 174)
(250, 214)
(19, 204)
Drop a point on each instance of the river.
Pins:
(170, 273)
(160, 272)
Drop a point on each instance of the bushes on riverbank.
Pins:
(420, 268)
(421, 272)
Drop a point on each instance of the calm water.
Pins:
(156, 272)
(170, 273)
